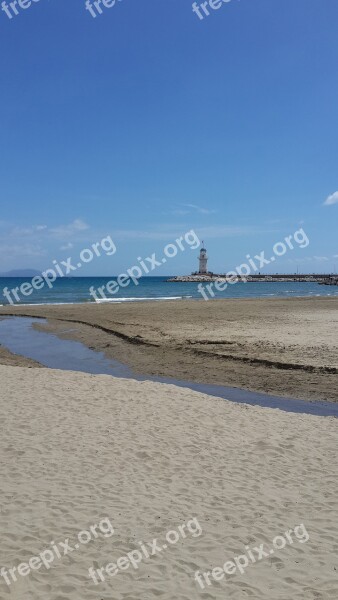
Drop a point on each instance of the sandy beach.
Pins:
(146, 458)
(169, 300)
(287, 347)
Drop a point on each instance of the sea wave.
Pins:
(102, 301)
(159, 298)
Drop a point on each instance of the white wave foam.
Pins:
(118, 300)
(100, 301)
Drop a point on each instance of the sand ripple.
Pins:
(76, 448)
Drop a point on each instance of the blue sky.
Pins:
(146, 122)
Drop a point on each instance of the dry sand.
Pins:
(76, 448)
(286, 347)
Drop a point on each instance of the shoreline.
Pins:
(227, 342)
(8, 358)
(141, 300)
(135, 300)
(53, 352)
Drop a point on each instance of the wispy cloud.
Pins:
(179, 212)
(200, 210)
(18, 250)
(20, 232)
(332, 199)
(165, 232)
(64, 231)
(188, 209)
(12, 253)
(219, 231)
(306, 259)
(42, 231)
(34, 241)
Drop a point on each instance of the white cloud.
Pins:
(41, 231)
(305, 259)
(167, 232)
(18, 244)
(332, 199)
(12, 255)
(179, 212)
(219, 231)
(31, 231)
(80, 225)
(188, 209)
(21, 250)
(64, 231)
(200, 210)
(298, 261)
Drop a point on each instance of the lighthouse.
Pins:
(203, 259)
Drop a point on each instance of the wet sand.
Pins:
(7, 358)
(287, 347)
(13, 360)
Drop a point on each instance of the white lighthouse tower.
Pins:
(203, 259)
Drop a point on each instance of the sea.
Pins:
(73, 290)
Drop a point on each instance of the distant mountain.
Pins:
(21, 273)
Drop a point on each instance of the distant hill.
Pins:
(21, 273)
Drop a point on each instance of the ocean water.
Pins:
(77, 289)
